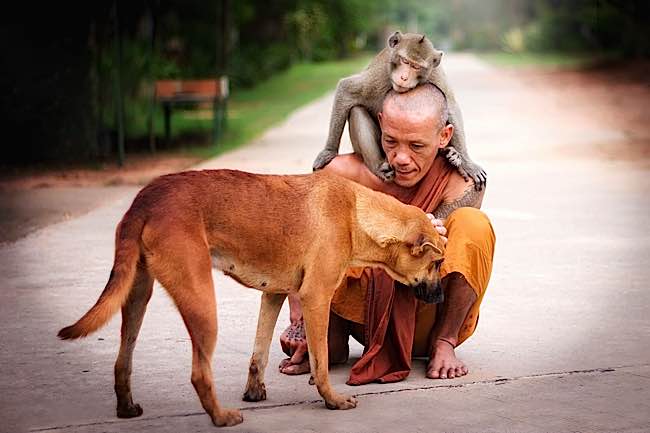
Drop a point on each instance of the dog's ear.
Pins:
(422, 243)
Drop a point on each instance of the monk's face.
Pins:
(411, 141)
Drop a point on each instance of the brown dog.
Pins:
(277, 234)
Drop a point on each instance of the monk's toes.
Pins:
(295, 369)
(284, 363)
(433, 373)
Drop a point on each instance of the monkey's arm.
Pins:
(456, 151)
(348, 94)
(366, 141)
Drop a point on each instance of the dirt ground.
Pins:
(617, 95)
(137, 170)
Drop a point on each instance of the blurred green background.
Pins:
(64, 63)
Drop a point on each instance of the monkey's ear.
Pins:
(436, 58)
(394, 39)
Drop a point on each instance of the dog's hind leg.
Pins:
(316, 296)
(183, 267)
(270, 307)
(132, 314)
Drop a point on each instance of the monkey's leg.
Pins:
(457, 149)
(366, 141)
(343, 102)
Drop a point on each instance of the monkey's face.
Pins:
(412, 58)
(406, 73)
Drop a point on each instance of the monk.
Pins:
(387, 319)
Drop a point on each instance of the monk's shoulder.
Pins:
(457, 187)
(351, 167)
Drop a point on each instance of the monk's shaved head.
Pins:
(424, 102)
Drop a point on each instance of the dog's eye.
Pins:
(438, 264)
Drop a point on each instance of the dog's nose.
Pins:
(429, 293)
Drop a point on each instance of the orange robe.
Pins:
(395, 320)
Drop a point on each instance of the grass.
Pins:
(252, 111)
(549, 60)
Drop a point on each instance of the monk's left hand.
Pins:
(440, 226)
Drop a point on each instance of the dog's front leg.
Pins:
(270, 307)
(316, 312)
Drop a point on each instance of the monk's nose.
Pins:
(401, 158)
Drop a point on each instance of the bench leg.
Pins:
(168, 114)
(217, 120)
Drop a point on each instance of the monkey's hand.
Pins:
(478, 175)
(324, 157)
(385, 172)
(467, 169)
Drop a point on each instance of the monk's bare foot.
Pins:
(286, 367)
(444, 364)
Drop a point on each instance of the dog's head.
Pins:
(417, 259)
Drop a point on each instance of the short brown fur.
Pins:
(278, 234)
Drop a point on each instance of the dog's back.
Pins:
(257, 227)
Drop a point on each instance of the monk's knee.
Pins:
(473, 223)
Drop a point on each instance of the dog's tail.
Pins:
(127, 254)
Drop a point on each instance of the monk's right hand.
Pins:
(440, 227)
(294, 343)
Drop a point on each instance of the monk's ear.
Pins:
(422, 244)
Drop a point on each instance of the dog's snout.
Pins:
(431, 293)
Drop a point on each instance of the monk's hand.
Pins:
(440, 227)
(294, 343)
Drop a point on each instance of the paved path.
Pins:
(562, 343)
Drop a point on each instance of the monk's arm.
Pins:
(459, 194)
(351, 167)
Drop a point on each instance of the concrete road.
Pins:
(562, 343)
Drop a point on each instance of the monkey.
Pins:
(408, 60)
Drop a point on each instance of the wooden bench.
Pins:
(172, 93)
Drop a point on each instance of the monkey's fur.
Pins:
(408, 60)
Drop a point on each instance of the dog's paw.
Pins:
(324, 158)
(129, 411)
(228, 418)
(341, 402)
(385, 172)
(256, 392)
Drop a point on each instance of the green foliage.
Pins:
(61, 64)
(252, 111)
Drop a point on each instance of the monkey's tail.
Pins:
(118, 287)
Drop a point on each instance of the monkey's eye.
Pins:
(416, 67)
(403, 60)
